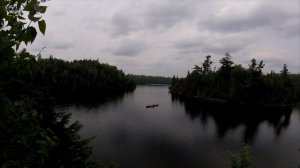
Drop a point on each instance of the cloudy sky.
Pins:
(168, 37)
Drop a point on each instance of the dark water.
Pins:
(185, 134)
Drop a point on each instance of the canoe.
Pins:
(152, 106)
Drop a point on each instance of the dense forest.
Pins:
(79, 79)
(144, 80)
(33, 133)
(232, 83)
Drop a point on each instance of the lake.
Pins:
(185, 134)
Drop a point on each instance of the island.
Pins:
(234, 84)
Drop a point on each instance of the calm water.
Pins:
(183, 135)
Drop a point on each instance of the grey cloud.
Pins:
(223, 47)
(188, 44)
(122, 24)
(262, 15)
(166, 14)
(291, 28)
(57, 44)
(60, 46)
(129, 49)
(218, 44)
(155, 15)
(59, 13)
(57, 9)
(35, 49)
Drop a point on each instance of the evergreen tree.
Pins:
(207, 65)
(226, 63)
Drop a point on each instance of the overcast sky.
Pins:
(168, 37)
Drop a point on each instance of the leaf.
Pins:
(42, 9)
(32, 18)
(2, 11)
(28, 8)
(42, 26)
(31, 34)
(35, 6)
(25, 38)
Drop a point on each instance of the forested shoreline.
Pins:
(234, 84)
(144, 79)
(65, 80)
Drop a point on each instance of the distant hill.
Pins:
(145, 80)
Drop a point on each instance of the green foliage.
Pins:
(24, 143)
(42, 26)
(243, 159)
(235, 84)
(143, 80)
(83, 79)
(254, 67)
(34, 135)
(206, 66)
(71, 150)
(226, 63)
(13, 27)
(284, 72)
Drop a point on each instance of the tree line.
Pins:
(78, 79)
(232, 83)
(143, 79)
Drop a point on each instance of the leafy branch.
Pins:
(13, 29)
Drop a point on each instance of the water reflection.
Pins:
(182, 133)
(227, 118)
(95, 102)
